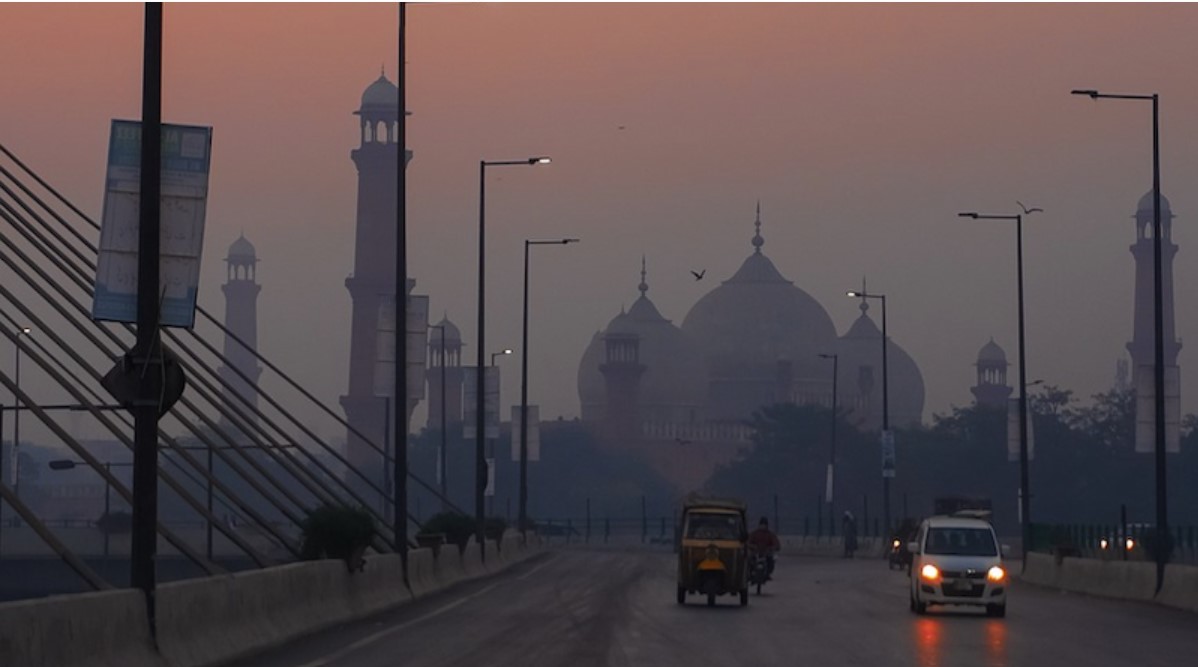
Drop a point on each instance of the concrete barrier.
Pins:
(379, 586)
(249, 611)
(422, 574)
(105, 629)
(512, 548)
(1122, 580)
(472, 562)
(448, 567)
(1180, 590)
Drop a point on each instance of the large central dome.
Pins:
(753, 329)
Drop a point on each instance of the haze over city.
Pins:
(861, 129)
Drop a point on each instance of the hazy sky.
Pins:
(862, 129)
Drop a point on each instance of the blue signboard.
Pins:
(186, 159)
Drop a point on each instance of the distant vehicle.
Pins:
(712, 556)
(949, 505)
(957, 561)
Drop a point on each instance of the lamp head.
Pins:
(565, 241)
(852, 294)
(1092, 94)
(506, 352)
(539, 160)
(970, 214)
(827, 356)
(26, 330)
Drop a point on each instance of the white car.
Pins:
(957, 561)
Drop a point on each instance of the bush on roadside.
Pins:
(337, 532)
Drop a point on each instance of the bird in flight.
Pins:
(699, 274)
(1027, 210)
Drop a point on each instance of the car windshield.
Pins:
(713, 527)
(961, 542)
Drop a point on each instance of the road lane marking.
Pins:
(370, 639)
(534, 570)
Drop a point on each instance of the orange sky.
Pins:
(862, 129)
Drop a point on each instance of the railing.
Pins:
(599, 529)
(1113, 541)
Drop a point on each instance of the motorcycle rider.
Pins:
(764, 541)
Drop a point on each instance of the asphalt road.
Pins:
(617, 609)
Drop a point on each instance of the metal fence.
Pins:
(1115, 541)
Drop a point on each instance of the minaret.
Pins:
(241, 290)
(992, 389)
(622, 370)
(1142, 345)
(451, 363)
(373, 279)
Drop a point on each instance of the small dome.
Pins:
(992, 353)
(1146, 203)
(861, 375)
(452, 333)
(673, 387)
(242, 249)
(381, 93)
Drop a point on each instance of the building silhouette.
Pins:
(372, 283)
(241, 371)
(992, 389)
(679, 397)
(1142, 346)
(449, 356)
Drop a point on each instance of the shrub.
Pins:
(336, 532)
(457, 528)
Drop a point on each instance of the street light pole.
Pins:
(491, 470)
(522, 516)
(1158, 357)
(480, 460)
(1025, 521)
(886, 473)
(831, 481)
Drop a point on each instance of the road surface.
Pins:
(617, 609)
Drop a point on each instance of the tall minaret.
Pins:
(1142, 344)
(373, 279)
(445, 361)
(241, 319)
(992, 389)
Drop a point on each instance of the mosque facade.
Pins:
(680, 397)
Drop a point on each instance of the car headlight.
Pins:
(996, 574)
(895, 544)
(930, 572)
(1131, 544)
(1103, 544)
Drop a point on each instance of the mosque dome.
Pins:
(242, 249)
(1145, 204)
(452, 333)
(991, 353)
(382, 94)
(749, 324)
(861, 376)
(674, 385)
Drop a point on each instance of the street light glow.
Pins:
(851, 293)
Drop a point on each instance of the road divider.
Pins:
(1117, 579)
(105, 629)
(214, 620)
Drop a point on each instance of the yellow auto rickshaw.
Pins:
(712, 552)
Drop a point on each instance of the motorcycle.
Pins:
(758, 569)
(898, 557)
